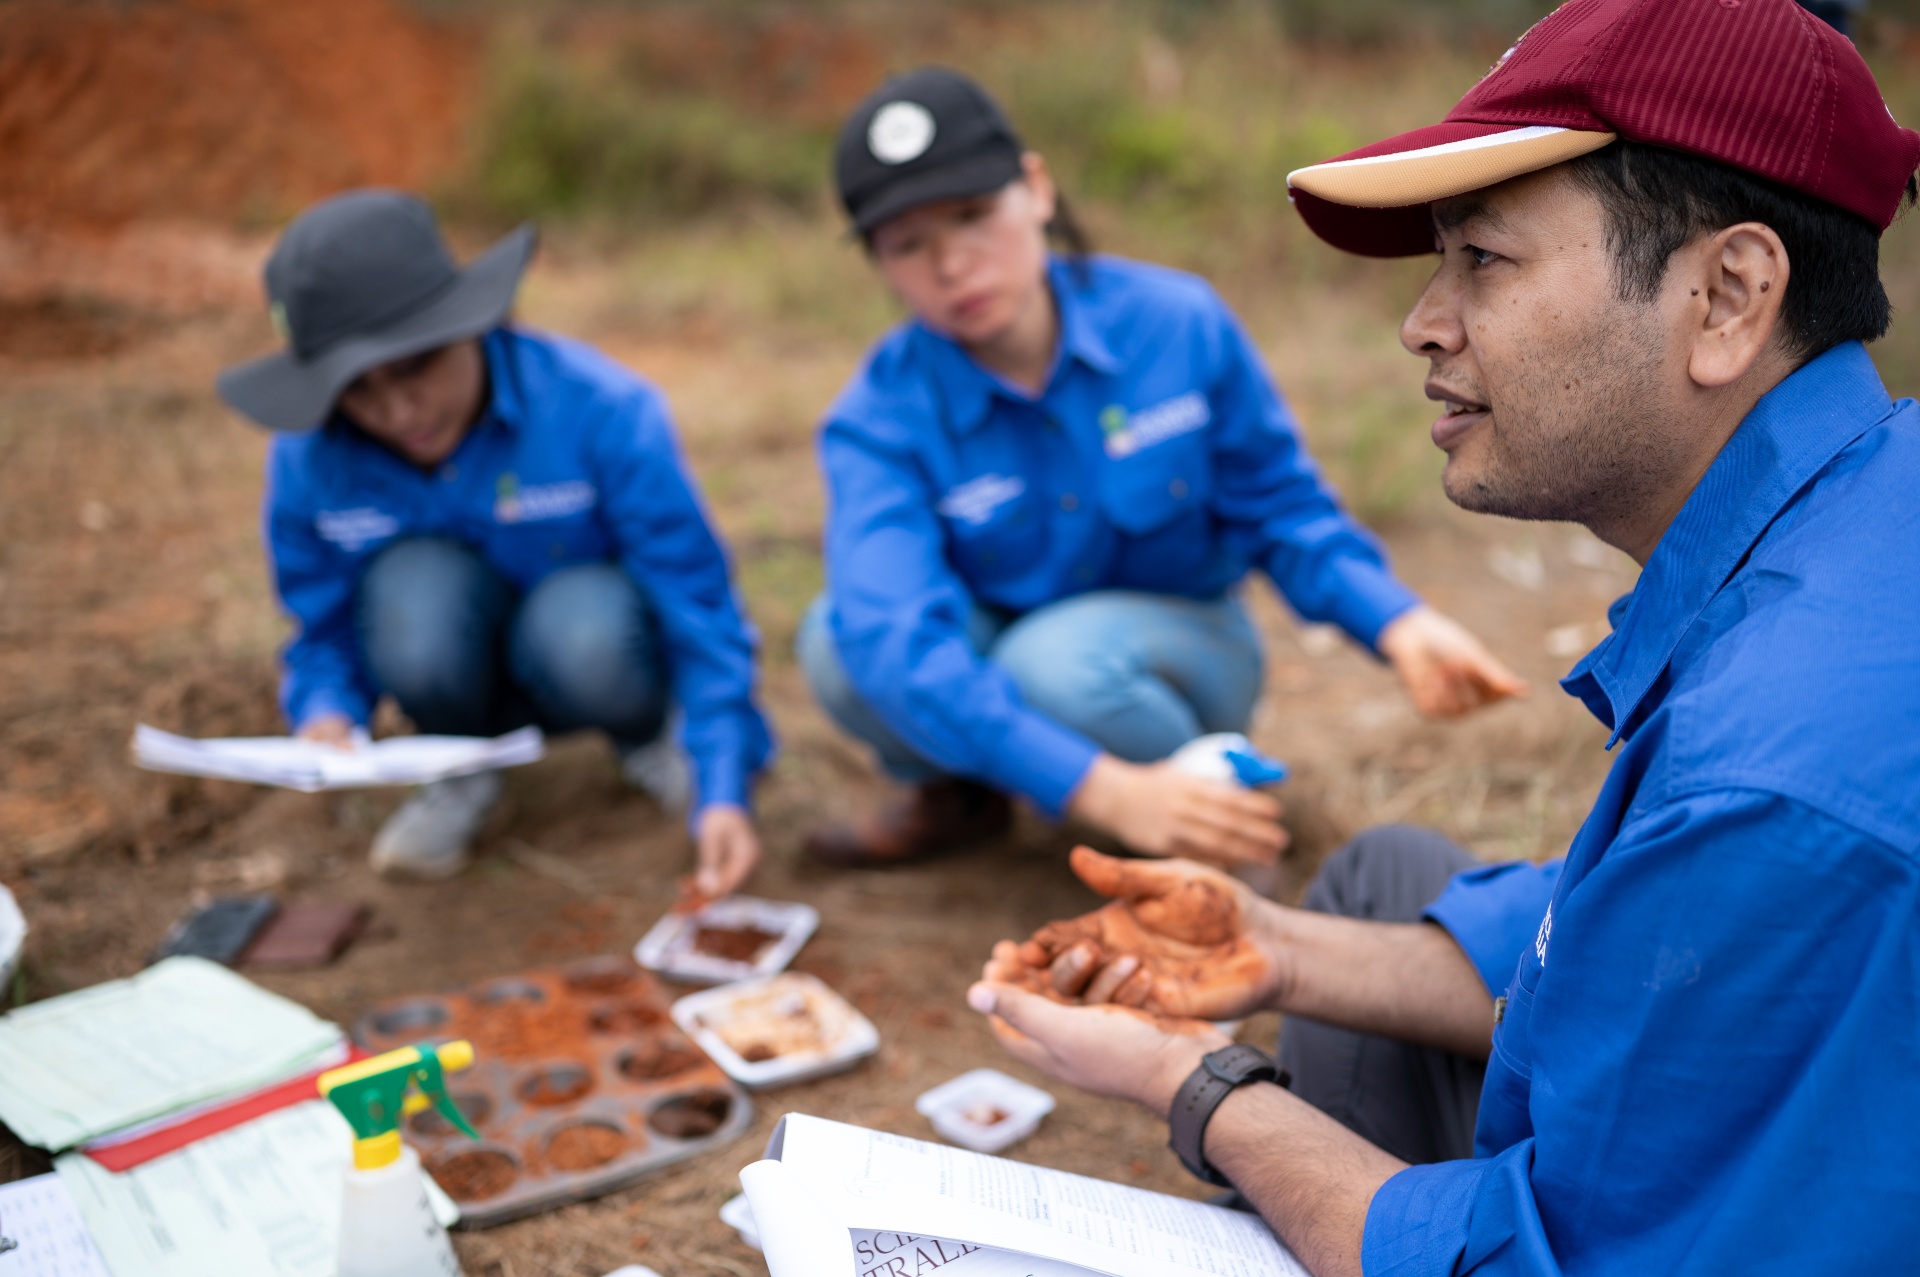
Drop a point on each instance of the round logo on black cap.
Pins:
(900, 131)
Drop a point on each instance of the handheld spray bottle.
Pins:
(387, 1226)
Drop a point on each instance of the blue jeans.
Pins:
(1138, 674)
(466, 654)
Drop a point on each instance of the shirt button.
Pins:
(1069, 502)
(1178, 488)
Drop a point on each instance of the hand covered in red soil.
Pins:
(1179, 940)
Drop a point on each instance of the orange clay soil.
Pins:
(475, 1174)
(583, 1147)
(735, 944)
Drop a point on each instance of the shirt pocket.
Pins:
(991, 527)
(1159, 487)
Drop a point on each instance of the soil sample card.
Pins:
(581, 1084)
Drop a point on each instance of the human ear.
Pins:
(1039, 180)
(1737, 280)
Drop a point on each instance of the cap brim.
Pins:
(282, 392)
(1374, 201)
(964, 180)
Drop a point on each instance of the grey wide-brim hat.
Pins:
(357, 281)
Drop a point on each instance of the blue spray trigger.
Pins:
(1253, 770)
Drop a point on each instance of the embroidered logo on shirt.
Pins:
(515, 504)
(354, 530)
(974, 501)
(1545, 933)
(1170, 419)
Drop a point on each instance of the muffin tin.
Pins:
(582, 1084)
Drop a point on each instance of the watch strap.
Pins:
(1219, 1075)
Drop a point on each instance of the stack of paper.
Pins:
(40, 1218)
(180, 1033)
(308, 766)
(262, 1199)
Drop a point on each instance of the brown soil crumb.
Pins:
(690, 1117)
(986, 1115)
(735, 944)
(757, 1053)
(476, 1174)
(583, 1147)
(556, 1085)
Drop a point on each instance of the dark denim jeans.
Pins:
(466, 654)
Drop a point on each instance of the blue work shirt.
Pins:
(1709, 1060)
(1158, 457)
(574, 461)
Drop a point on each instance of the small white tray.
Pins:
(737, 1214)
(846, 1037)
(953, 1108)
(668, 948)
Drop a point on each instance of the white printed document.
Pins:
(180, 1033)
(260, 1200)
(42, 1233)
(833, 1200)
(309, 766)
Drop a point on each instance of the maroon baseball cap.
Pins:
(1759, 85)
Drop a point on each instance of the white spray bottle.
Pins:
(387, 1225)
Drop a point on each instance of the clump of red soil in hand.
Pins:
(735, 944)
(475, 1174)
(583, 1147)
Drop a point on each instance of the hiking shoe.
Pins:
(429, 836)
(937, 819)
(660, 768)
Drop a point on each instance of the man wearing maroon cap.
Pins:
(1658, 225)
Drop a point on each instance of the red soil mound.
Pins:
(218, 109)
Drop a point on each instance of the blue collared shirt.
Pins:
(1710, 1055)
(574, 461)
(1158, 457)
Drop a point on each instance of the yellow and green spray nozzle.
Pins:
(374, 1094)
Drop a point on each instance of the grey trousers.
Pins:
(1418, 1103)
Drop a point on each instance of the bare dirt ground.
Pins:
(132, 588)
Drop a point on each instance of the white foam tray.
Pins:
(947, 1106)
(850, 1036)
(668, 947)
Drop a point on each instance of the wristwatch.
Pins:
(1220, 1074)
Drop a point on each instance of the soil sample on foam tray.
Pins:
(581, 1084)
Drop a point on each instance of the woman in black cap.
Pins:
(494, 527)
(1044, 489)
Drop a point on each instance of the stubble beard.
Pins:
(1577, 435)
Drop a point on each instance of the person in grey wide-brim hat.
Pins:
(492, 527)
(358, 280)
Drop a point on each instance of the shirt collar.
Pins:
(1789, 437)
(969, 389)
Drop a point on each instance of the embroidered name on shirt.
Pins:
(353, 530)
(1170, 419)
(975, 501)
(1545, 933)
(539, 501)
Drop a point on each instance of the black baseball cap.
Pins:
(931, 134)
(356, 281)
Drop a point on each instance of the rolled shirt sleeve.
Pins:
(1494, 913)
(1725, 1000)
